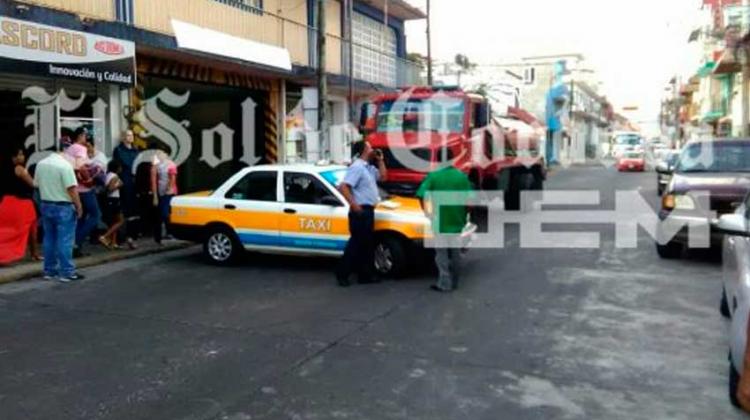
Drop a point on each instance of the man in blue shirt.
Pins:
(360, 188)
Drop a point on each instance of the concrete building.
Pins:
(221, 82)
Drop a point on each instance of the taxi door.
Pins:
(252, 207)
(314, 219)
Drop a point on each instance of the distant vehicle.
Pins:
(294, 209)
(735, 296)
(431, 126)
(624, 140)
(631, 160)
(664, 169)
(719, 168)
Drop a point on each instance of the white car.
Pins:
(735, 299)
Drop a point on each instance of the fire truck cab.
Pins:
(420, 128)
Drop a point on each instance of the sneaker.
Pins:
(49, 277)
(63, 280)
(72, 277)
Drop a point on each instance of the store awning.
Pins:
(727, 64)
(205, 40)
(712, 116)
(706, 69)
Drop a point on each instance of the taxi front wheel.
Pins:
(221, 245)
(390, 256)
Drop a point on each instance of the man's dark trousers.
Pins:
(360, 250)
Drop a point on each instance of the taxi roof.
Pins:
(302, 167)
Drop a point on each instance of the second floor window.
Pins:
(124, 11)
(255, 6)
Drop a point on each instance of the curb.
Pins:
(26, 271)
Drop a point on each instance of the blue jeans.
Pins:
(162, 216)
(91, 217)
(59, 222)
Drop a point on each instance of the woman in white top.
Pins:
(112, 184)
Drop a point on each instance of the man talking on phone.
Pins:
(360, 188)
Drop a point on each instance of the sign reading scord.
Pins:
(41, 50)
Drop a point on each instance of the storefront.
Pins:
(214, 117)
(53, 80)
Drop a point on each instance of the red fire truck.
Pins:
(419, 128)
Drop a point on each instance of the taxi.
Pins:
(294, 209)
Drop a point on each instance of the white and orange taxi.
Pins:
(294, 209)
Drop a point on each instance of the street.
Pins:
(531, 334)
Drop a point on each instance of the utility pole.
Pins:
(745, 78)
(323, 140)
(429, 47)
(350, 36)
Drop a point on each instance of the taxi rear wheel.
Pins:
(390, 256)
(221, 245)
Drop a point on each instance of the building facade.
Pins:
(220, 82)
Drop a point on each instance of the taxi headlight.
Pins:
(678, 202)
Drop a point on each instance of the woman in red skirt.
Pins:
(18, 225)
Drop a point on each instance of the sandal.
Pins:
(103, 241)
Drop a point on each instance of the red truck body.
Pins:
(438, 125)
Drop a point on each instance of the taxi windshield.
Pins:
(334, 176)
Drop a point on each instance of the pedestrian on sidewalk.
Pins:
(60, 209)
(360, 188)
(126, 154)
(18, 226)
(115, 218)
(163, 188)
(453, 188)
(86, 175)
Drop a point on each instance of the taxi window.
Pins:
(300, 188)
(255, 186)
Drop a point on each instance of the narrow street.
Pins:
(531, 334)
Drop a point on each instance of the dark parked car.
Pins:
(711, 178)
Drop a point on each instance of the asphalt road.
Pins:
(532, 334)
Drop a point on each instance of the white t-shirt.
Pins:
(107, 180)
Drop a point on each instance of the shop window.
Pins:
(255, 186)
(254, 6)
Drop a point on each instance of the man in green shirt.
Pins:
(446, 185)
(60, 209)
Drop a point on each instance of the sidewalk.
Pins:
(99, 255)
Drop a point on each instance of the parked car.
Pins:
(294, 209)
(711, 178)
(664, 169)
(735, 297)
(631, 160)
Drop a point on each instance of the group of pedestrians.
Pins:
(72, 191)
(446, 185)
